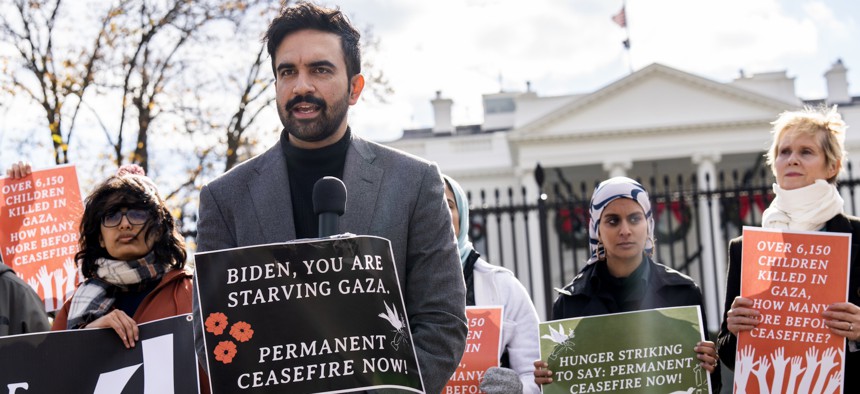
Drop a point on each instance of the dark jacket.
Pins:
(727, 342)
(21, 310)
(666, 288)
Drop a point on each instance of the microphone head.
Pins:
(329, 196)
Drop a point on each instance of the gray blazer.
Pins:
(390, 194)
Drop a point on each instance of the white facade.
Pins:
(656, 121)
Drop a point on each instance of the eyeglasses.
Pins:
(134, 216)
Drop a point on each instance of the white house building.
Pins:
(656, 121)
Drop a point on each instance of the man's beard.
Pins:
(316, 129)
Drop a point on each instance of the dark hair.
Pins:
(129, 191)
(303, 16)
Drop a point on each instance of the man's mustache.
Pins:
(310, 99)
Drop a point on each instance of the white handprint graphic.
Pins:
(59, 284)
(45, 279)
(743, 367)
(779, 365)
(34, 284)
(811, 367)
(796, 370)
(71, 277)
(761, 374)
(828, 361)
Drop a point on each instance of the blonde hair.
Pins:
(821, 121)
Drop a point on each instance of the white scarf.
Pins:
(806, 208)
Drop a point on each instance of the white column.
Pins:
(526, 178)
(617, 167)
(713, 248)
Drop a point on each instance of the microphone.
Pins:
(329, 199)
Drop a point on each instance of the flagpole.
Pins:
(627, 31)
(621, 20)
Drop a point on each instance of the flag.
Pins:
(620, 18)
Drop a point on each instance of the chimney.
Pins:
(442, 114)
(837, 84)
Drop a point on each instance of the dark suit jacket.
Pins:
(390, 194)
(728, 342)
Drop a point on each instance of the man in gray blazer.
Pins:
(315, 58)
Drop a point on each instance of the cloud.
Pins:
(716, 37)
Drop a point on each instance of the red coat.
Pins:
(171, 297)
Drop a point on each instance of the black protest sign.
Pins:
(305, 317)
(96, 361)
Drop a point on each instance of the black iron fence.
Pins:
(544, 241)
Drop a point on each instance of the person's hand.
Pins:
(742, 317)
(542, 374)
(707, 354)
(843, 319)
(19, 170)
(501, 381)
(124, 326)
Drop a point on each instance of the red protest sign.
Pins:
(39, 220)
(482, 349)
(792, 277)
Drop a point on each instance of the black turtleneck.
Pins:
(304, 168)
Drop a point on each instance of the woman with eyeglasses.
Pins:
(132, 258)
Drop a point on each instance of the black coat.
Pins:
(727, 342)
(666, 288)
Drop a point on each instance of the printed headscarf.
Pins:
(462, 201)
(608, 191)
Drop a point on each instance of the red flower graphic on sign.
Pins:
(241, 331)
(216, 323)
(225, 351)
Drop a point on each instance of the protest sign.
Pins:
(483, 344)
(39, 220)
(96, 361)
(306, 316)
(792, 276)
(649, 351)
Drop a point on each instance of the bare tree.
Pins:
(375, 81)
(153, 59)
(56, 80)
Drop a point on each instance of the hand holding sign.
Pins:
(39, 216)
(791, 307)
(19, 170)
(742, 317)
(843, 319)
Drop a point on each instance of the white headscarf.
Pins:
(608, 191)
(806, 208)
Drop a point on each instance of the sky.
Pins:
(466, 48)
